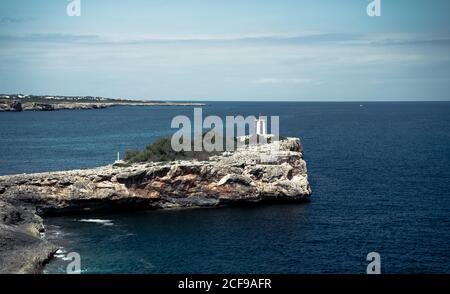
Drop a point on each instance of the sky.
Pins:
(228, 50)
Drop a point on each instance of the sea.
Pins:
(380, 175)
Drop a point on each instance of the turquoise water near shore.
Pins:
(379, 175)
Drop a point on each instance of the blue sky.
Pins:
(311, 50)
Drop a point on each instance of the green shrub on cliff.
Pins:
(161, 150)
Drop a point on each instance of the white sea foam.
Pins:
(106, 222)
(61, 251)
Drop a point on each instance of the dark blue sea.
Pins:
(380, 174)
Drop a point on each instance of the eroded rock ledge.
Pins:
(236, 177)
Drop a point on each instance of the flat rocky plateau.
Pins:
(18, 106)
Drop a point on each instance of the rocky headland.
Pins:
(18, 103)
(239, 177)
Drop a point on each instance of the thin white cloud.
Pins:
(288, 81)
(300, 39)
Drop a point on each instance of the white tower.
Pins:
(260, 126)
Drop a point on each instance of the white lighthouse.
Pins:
(261, 126)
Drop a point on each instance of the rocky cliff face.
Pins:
(231, 178)
(10, 105)
(21, 248)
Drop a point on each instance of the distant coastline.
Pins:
(20, 102)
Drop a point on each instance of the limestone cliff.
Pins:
(233, 177)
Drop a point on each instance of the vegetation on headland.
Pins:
(161, 150)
